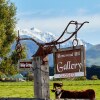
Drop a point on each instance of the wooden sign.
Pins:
(25, 64)
(69, 62)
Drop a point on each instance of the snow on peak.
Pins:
(38, 35)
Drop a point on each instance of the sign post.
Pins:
(41, 79)
(70, 62)
(41, 75)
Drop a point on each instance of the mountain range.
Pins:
(92, 51)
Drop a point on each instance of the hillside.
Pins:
(93, 55)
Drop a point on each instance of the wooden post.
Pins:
(41, 79)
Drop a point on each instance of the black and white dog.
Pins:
(62, 94)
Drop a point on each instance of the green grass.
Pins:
(16, 89)
(25, 89)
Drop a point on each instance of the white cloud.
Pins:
(57, 24)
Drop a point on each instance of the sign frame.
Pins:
(71, 74)
(30, 61)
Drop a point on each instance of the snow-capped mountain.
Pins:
(38, 35)
(44, 37)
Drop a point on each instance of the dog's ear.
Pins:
(53, 90)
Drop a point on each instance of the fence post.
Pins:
(41, 79)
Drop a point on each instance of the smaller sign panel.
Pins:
(25, 64)
(69, 62)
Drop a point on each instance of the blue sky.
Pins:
(54, 15)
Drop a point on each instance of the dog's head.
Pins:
(57, 84)
(58, 92)
(57, 89)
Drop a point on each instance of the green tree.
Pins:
(8, 65)
(7, 37)
(94, 77)
(7, 68)
(7, 25)
(14, 56)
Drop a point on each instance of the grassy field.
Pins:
(25, 89)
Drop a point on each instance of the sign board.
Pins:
(25, 64)
(70, 62)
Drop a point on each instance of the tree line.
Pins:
(94, 70)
